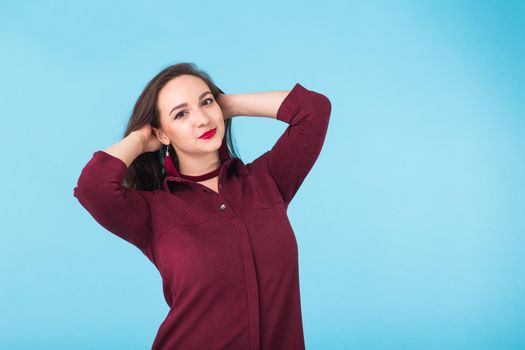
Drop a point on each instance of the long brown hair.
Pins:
(145, 173)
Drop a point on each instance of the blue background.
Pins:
(410, 226)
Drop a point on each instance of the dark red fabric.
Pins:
(228, 260)
(202, 177)
(171, 169)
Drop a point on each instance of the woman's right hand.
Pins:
(150, 142)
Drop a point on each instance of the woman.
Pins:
(216, 228)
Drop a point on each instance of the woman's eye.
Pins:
(179, 114)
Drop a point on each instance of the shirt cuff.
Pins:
(105, 160)
(296, 98)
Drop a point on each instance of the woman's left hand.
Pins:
(224, 102)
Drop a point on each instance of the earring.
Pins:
(168, 163)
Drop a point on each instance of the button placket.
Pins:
(222, 206)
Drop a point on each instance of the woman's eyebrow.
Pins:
(185, 104)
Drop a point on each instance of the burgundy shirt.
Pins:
(228, 260)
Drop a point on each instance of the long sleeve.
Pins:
(121, 210)
(295, 152)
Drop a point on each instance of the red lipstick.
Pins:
(208, 134)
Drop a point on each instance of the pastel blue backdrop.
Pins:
(410, 226)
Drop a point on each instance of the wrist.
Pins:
(225, 101)
(138, 139)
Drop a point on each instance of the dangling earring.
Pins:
(168, 163)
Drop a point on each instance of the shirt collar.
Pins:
(235, 163)
(228, 163)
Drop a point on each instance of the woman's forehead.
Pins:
(185, 86)
(181, 90)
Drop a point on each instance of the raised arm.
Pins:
(121, 210)
(295, 152)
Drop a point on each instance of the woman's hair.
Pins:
(145, 172)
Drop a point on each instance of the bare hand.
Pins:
(150, 141)
(223, 100)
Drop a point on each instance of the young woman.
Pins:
(217, 229)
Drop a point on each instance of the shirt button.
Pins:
(222, 207)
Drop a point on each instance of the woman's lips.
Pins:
(208, 134)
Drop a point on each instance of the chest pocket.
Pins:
(261, 192)
(183, 209)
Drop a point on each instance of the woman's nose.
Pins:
(201, 117)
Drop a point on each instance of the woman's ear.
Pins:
(161, 136)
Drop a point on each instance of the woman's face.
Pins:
(183, 125)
